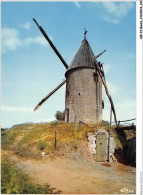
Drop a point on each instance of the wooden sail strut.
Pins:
(106, 89)
(51, 93)
(51, 44)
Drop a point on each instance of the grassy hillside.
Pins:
(29, 140)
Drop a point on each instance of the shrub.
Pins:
(41, 145)
(54, 123)
(60, 116)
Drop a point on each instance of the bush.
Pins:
(41, 145)
(60, 116)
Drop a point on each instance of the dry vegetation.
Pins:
(28, 141)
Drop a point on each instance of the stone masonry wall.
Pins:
(92, 142)
(83, 97)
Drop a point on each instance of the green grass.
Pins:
(14, 181)
(41, 145)
(8, 137)
(41, 137)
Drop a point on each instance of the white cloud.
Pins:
(119, 9)
(116, 10)
(26, 25)
(39, 39)
(110, 6)
(76, 4)
(11, 40)
(16, 109)
(106, 68)
(111, 20)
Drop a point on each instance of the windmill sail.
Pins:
(51, 93)
(106, 89)
(92, 65)
(100, 54)
(51, 44)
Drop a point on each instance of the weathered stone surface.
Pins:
(83, 97)
(83, 88)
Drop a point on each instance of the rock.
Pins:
(43, 154)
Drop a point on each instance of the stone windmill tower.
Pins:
(83, 88)
(84, 79)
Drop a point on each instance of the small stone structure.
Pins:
(92, 139)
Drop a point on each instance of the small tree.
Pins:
(60, 116)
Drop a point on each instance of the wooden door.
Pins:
(101, 148)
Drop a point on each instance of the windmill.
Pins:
(84, 79)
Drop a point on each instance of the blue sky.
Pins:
(30, 69)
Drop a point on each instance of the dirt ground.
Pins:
(80, 176)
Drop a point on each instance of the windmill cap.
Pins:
(84, 58)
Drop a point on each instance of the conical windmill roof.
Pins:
(84, 58)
